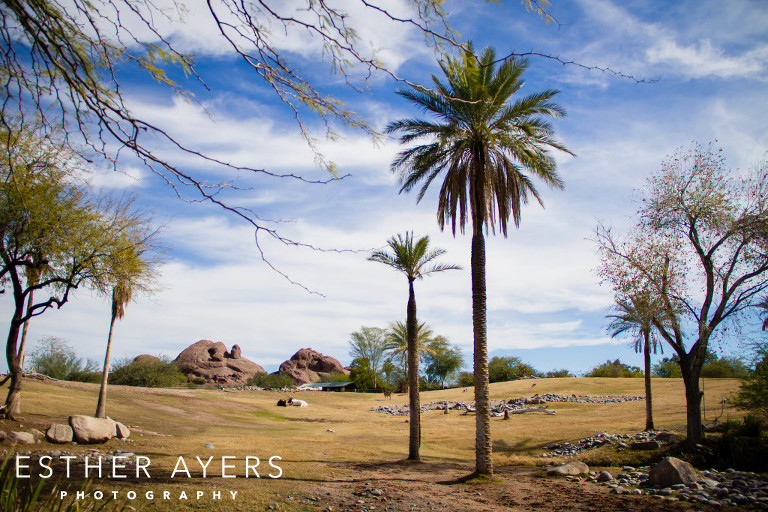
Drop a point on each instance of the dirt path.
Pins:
(433, 487)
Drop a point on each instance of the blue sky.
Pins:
(707, 64)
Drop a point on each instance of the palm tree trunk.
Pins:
(483, 440)
(413, 377)
(101, 406)
(648, 398)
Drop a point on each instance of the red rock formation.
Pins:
(309, 365)
(211, 361)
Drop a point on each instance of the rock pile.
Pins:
(513, 404)
(212, 362)
(309, 365)
(647, 440)
(712, 487)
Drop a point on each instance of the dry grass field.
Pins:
(337, 446)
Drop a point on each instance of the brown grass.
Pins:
(338, 429)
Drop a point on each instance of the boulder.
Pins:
(59, 433)
(668, 437)
(671, 471)
(211, 361)
(21, 438)
(575, 467)
(121, 431)
(87, 429)
(3, 435)
(309, 365)
(604, 476)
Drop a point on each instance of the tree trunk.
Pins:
(23, 342)
(483, 440)
(13, 400)
(691, 373)
(413, 376)
(101, 406)
(648, 397)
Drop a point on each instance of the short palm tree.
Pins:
(636, 316)
(413, 258)
(397, 343)
(122, 293)
(488, 149)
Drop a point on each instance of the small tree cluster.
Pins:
(57, 359)
(615, 369)
(502, 369)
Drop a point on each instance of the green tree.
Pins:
(150, 372)
(369, 343)
(615, 369)
(668, 368)
(56, 359)
(412, 258)
(489, 148)
(51, 222)
(753, 393)
(552, 374)
(502, 369)
(443, 360)
(635, 316)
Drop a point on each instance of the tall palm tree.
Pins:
(413, 258)
(122, 293)
(635, 315)
(489, 148)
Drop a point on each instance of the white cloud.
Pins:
(704, 59)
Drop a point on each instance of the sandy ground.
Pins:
(436, 487)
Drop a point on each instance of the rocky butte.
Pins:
(308, 365)
(214, 363)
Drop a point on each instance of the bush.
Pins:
(199, 381)
(336, 377)
(148, 373)
(270, 381)
(558, 373)
(615, 369)
(55, 358)
(753, 393)
(466, 379)
(502, 369)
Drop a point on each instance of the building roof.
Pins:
(325, 385)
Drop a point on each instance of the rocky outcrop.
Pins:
(309, 365)
(211, 361)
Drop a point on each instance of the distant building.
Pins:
(330, 386)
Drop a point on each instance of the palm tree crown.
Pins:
(411, 257)
(484, 142)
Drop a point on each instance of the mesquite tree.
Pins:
(701, 247)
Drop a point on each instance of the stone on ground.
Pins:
(672, 471)
(575, 467)
(87, 429)
(58, 433)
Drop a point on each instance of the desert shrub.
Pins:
(57, 359)
(668, 368)
(714, 367)
(270, 381)
(615, 369)
(465, 380)
(753, 393)
(148, 373)
(558, 373)
(336, 377)
(501, 369)
(199, 381)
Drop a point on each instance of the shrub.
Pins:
(466, 379)
(148, 373)
(336, 377)
(558, 373)
(199, 381)
(615, 369)
(270, 381)
(57, 359)
(501, 369)
(753, 393)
